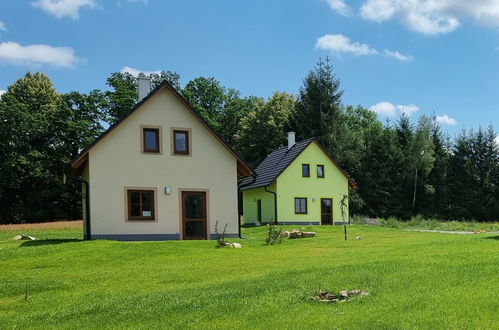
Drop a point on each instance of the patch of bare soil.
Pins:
(43, 225)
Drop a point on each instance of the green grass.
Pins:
(415, 280)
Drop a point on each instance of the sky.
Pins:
(419, 57)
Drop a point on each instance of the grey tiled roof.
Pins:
(275, 163)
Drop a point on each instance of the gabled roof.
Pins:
(278, 160)
(243, 169)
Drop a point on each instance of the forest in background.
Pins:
(401, 168)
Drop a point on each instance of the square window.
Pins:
(305, 170)
(300, 205)
(320, 171)
(181, 142)
(150, 140)
(141, 205)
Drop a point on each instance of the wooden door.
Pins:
(326, 211)
(194, 222)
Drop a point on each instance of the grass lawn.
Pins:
(415, 280)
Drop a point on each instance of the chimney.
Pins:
(144, 86)
(291, 139)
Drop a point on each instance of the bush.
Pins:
(274, 236)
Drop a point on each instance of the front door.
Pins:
(194, 224)
(326, 211)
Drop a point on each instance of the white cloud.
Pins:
(432, 17)
(2, 92)
(338, 43)
(62, 8)
(340, 7)
(407, 109)
(496, 139)
(446, 120)
(135, 72)
(388, 109)
(395, 54)
(12, 52)
(384, 108)
(3, 27)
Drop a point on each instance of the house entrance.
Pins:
(326, 211)
(194, 223)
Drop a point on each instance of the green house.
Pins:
(297, 184)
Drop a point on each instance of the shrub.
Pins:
(274, 236)
(221, 242)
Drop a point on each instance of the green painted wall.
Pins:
(291, 184)
(250, 198)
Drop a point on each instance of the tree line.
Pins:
(401, 168)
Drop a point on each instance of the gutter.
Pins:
(240, 202)
(86, 233)
(275, 204)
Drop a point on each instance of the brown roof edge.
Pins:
(351, 184)
(243, 169)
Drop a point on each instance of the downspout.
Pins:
(275, 204)
(86, 234)
(240, 202)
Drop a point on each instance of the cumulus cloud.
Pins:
(3, 27)
(341, 44)
(36, 55)
(445, 120)
(2, 92)
(340, 7)
(384, 108)
(135, 72)
(63, 8)
(388, 109)
(338, 43)
(432, 17)
(497, 140)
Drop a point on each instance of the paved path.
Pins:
(452, 232)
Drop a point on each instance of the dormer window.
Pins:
(181, 142)
(151, 140)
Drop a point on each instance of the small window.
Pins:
(181, 142)
(320, 171)
(150, 140)
(141, 205)
(305, 170)
(300, 205)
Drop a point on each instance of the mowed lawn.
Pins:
(415, 280)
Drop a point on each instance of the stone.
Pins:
(233, 245)
(342, 296)
(24, 238)
(296, 233)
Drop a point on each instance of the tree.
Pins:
(318, 109)
(123, 96)
(207, 96)
(264, 128)
(32, 151)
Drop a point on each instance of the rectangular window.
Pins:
(300, 205)
(181, 142)
(150, 140)
(141, 205)
(320, 171)
(305, 170)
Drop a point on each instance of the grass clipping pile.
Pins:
(342, 296)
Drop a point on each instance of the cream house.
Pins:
(159, 173)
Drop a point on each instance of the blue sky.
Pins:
(418, 56)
